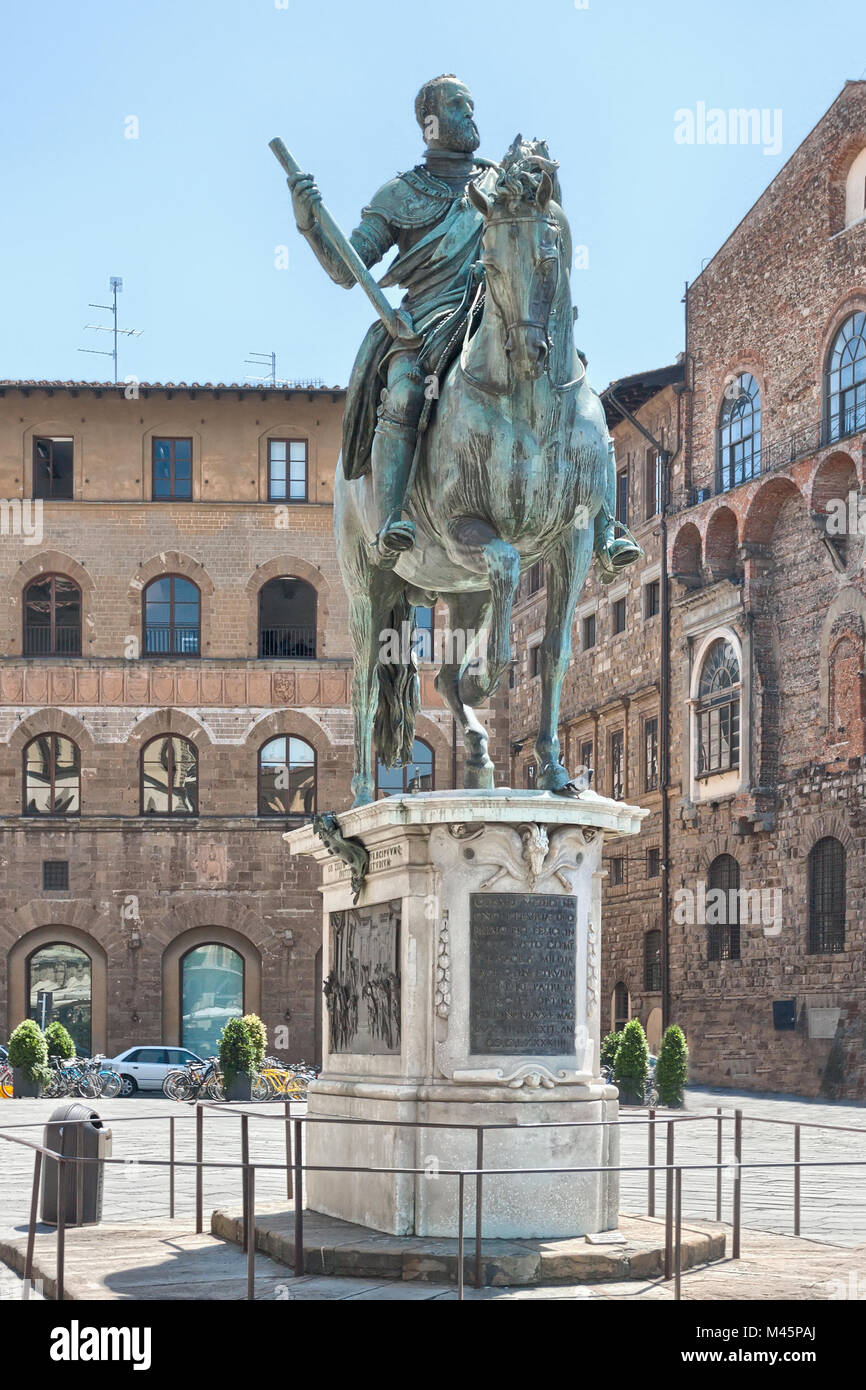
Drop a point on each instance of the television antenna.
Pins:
(261, 359)
(115, 284)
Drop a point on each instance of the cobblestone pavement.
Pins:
(833, 1200)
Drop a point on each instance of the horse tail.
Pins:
(399, 692)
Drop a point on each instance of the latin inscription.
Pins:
(523, 952)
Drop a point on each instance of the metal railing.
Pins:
(167, 639)
(294, 1167)
(290, 642)
(39, 641)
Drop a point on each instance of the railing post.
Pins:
(61, 1229)
(678, 1236)
(79, 1174)
(31, 1230)
(718, 1163)
(796, 1179)
(669, 1203)
(299, 1199)
(460, 1237)
(250, 1192)
(651, 1163)
(288, 1149)
(479, 1164)
(738, 1192)
(199, 1158)
(245, 1165)
(171, 1167)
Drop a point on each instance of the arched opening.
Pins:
(287, 777)
(739, 433)
(212, 992)
(415, 776)
(826, 874)
(169, 777)
(287, 619)
(172, 617)
(52, 616)
(654, 1031)
(52, 776)
(686, 557)
(723, 909)
(720, 548)
(855, 191)
(60, 988)
(846, 379)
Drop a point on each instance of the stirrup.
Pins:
(392, 541)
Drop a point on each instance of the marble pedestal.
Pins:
(463, 988)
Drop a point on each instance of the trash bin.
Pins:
(82, 1182)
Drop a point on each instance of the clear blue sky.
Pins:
(190, 212)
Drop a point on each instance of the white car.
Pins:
(145, 1068)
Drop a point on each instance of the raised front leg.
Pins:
(566, 570)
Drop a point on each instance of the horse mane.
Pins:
(521, 170)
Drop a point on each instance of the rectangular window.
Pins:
(588, 631)
(622, 497)
(617, 871)
(653, 486)
(55, 874)
(653, 861)
(535, 577)
(652, 598)
(618, 608)
(529, 773)
(719, 738)
(586, 752)
(535, 660)
(52, 468)
(172, 470)
(651, 754)
(287, 470)
(617, 764)
(652, 961)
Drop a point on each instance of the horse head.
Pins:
(520, 253)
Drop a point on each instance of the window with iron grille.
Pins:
(622, 497)
(620, 1007)
(589, 631)
(653, 861)
(52, 468)
(723, 910)
(287, 470)
(653, 487)
(826, 872)
(739, 433)
(617, 871)
(617, 762)
(651, 754)
(619, 614)
(172, 470)
(846, 379)
(719, 710)
(652, 598)
(652, 961)
(55, 874)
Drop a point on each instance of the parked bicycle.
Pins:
(195, 1081)
(283, 1081)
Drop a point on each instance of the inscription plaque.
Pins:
(362, 991)
(523, 958)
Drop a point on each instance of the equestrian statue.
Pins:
(473, 445)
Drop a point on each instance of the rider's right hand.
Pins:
(305, 197)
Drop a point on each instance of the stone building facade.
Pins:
(759, 642)
(173, 632)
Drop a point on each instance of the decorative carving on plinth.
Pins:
(351, 850)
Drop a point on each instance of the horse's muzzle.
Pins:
(526, 347)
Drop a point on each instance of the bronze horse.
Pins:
(513, 469)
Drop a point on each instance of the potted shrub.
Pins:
(631, 1064)
(28, 1058)
(607, 1053)
(258, 1037)
(58, 1041)
(237, 1060)
(672, 1067)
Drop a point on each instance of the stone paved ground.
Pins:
(833, 1204)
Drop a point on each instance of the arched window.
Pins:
(723, 909)
(652, 961)
(855, 191)
(52, 617)
(287, 778)
(172, 617)
(169, 777)
(59, 986)
(52, 777)
(287, 619)
(719, 710)
(739, 432)
(619, 1007)
(826, 872)
(416, 776)
(846, 379)
(212, 992)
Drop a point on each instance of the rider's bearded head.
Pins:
(443, 110)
